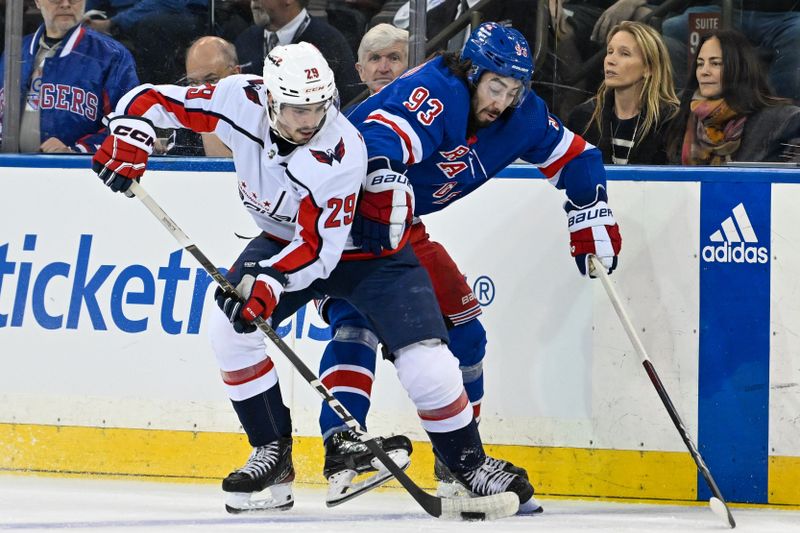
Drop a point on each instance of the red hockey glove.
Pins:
(123, 155)
(260, 290)
(593, 230)
(384, 211)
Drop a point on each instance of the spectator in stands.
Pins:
(728, 113)
(519, 14)
(208, 60)
(628, 117)
(582, 28)
(382, 56)
(287, 22)
(613, 13)
(773, 26)
(71, 77)
(159, 31)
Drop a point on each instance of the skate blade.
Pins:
(281, 499)
(342, 489)
(530, 507)
(491, 507)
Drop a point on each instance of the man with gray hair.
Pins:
(382, 56)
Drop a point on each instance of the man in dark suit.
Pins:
(281, 22)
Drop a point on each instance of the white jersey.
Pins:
(306, 198)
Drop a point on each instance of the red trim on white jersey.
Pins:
(358, 255)
(193, 118)
(244, 375)
(409, 141)
(568, 148)
(308, 216)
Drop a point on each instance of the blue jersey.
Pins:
(77, 86)
(419, 121)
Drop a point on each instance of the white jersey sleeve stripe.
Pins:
(409, 140)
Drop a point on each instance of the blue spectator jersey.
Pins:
(78, 86)
(127, 13)
(419, 121)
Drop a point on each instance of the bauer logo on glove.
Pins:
(593, 231)
(384, 212)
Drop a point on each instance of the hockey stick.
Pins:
(482, 508)
(717, 502)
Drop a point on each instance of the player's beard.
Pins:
(475, 123)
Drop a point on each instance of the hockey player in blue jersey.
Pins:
(448, 126)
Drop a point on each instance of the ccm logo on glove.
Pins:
(136, 135)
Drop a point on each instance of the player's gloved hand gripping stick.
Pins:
(593, 231)
(122, 157)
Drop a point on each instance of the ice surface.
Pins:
(38, 503)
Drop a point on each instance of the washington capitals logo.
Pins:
(329, 156)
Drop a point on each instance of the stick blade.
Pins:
(482, 508)
(721, 510)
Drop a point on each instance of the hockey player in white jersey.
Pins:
(301, 168)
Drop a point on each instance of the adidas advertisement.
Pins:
(735, 242)
(734, 335)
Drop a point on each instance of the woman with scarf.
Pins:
(628, 117)
(728, 112)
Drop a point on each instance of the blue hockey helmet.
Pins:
(501, 50)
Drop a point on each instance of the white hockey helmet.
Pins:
(297, 74)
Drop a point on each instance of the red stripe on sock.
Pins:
(348, 378)
(448, 411)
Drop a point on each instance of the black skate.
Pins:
(269, 467)
(447, 486)
(346, 457)
(495, 476)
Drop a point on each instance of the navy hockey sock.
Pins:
(264, 417)
(461, 450)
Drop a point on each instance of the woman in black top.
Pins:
(628, 116)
